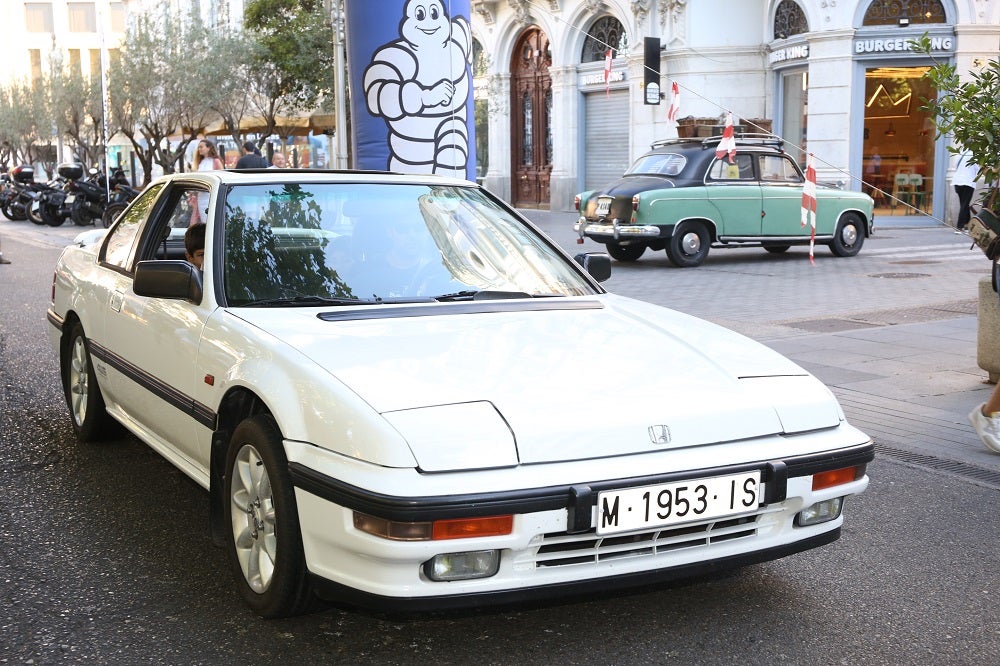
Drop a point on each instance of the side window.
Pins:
(180, 211)
(740, 170)
(118, 248)
(778, 169)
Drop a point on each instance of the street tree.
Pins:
(79, 113)
(164, 86)
(291, 67)
(26, 124)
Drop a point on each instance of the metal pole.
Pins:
(340, 84)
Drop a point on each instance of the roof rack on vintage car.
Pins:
(742, 138)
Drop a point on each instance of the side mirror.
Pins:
(170, 278)
(598, 264)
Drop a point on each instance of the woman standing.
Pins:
(964, 182)
(206, 158)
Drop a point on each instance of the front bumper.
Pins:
(607, 231)
(553, 549)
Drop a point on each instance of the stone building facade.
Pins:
(835, 78)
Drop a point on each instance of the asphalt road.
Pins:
(105, 556)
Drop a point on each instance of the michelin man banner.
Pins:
(411, 83)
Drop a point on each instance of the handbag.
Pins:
(984, 230)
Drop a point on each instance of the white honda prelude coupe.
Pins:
(379, 379)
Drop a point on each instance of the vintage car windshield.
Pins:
(302, 242)
(665, 164)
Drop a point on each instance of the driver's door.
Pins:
(156, 343)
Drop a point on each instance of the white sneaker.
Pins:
(988, 428)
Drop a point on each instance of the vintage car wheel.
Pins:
(850, 236)
(689, 245)
(777, 249)
(630, 252)
(264, 542)
(91, 421)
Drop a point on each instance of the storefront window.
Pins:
(892, 12)
(898, 153)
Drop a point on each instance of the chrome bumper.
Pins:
(615, 229)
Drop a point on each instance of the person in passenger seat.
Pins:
(194, 244)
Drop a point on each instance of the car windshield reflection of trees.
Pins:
(260, 265)
(347, 244)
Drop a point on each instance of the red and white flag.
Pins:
(607, 73)
(728, 142)
(809, 204)
(675, 103)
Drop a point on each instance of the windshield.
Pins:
(352, 242)
(667, 164)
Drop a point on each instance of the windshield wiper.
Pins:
(307, 301)
(488, 295)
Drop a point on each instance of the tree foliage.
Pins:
(79, 113)
(291, 68)
(968, 109)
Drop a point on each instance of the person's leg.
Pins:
(964, 193)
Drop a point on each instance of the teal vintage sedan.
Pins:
(681, 198)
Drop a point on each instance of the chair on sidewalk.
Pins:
(900, 190)
(916, 190)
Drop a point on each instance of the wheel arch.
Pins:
(865, 219)
(238, 404)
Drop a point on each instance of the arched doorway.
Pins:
(530, 119)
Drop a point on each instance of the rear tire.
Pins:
(111, 213)
(264, 542)
(34, 212)
(78, 213)
(688, 246)
(51, 215)
(630, 252)
(91, 421)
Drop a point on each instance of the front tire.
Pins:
(51, 215)
(91, 421)
(34, 212)
(630, 252)
(688, 246)
(264, 542)
(850, 236)
(79, 214)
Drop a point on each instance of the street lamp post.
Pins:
(340, 84)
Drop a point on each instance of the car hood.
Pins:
(615, 376)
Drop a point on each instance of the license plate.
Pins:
(604, 207)
(70, 198)
(665, 504)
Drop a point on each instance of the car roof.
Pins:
(274, 175)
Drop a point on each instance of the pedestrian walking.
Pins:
(964, 182)
(251, 159)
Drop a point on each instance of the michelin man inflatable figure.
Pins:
(420, 84)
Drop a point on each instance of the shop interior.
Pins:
(899, 140)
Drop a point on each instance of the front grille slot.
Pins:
(560, 549)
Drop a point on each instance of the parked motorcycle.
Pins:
(8, 199)
(21, 192)
(88, 197)
(121, 196)
(51, 203)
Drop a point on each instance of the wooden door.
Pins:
(531, 128)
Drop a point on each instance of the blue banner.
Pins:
(411, 86)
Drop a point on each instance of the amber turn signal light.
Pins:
(835, 477)
(464, 528)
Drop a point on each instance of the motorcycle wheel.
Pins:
(51, 215)
(34, 213)
(80, 216)
(17, 212)
(111, 213)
